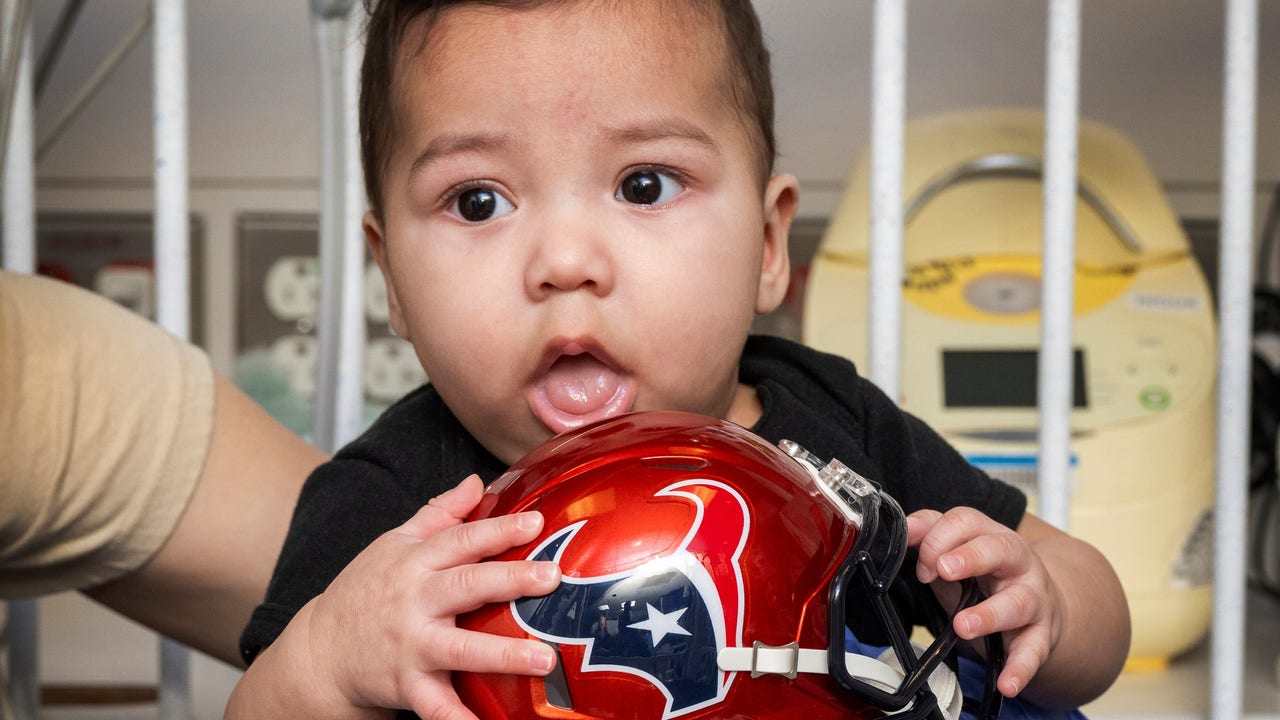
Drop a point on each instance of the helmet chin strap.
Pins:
(885, 672)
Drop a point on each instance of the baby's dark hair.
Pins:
(750, 85)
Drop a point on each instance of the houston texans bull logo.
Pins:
(662, 621)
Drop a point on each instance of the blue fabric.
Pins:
(972, 677)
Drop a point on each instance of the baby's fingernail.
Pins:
(923, 574)
(541, 658)
(1013, 688)
(546, 571)
(949, 565)
(529, 521)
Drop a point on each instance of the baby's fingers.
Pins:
(474, 541)
(446, 509)
(1001, 555)
(1026, 653)
(467, 587)
(432, 696)
(1013, 607)
(919, 523)
(432, 700)
(948, 532)
(482, 652)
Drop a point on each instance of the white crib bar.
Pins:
(175, 680)
(349, 410)
(888, 103)
(21, 638)
(172, 256)
(19, 168)
(1062, 83)
(339, 323)
(15, 21)
(1235, 299)
(172, 224)
(20, 628)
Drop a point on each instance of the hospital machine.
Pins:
(1143, 417)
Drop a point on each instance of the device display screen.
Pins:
(1000, 378)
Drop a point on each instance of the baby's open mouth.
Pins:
(579, 389)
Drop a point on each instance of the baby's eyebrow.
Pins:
(661, 129)
(443, 145)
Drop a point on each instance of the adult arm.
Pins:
(202, 584)
(132, 468)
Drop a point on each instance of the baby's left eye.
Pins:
(649, 187)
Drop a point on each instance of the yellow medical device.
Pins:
(1142, 424)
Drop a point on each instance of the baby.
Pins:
(574, 206)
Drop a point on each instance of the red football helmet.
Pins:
(706, 574)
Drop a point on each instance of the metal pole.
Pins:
(21, 627)
(888, 102)
(349, 410)
(94, 83)
(1235, 300)
(9, 60)
(172, 226)
(19, 171)
(332, 380)
(175, 680)
(172, 257)
(24, 652)
(57, 40)
(1062, 83)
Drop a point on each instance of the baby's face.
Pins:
(573, 221)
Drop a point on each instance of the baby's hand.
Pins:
(1022, 600)
(385, 626)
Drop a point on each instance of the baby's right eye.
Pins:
(478, 204)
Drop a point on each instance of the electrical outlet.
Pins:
(295, 355)
(375, 295)
(391, 369)
(292, 287)
(130, 285)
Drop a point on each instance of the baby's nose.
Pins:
(571, 255)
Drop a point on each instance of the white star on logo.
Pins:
(661, 624)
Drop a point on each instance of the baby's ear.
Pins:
(377, 242)
(781, 197)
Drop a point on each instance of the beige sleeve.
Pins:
(105, 421)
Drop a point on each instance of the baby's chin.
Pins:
(513, 442)
(510, 448)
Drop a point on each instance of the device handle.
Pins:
(1017, 166)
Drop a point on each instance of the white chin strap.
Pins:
(884, 672)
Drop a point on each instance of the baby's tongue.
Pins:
(580, 384)
(578, 390)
